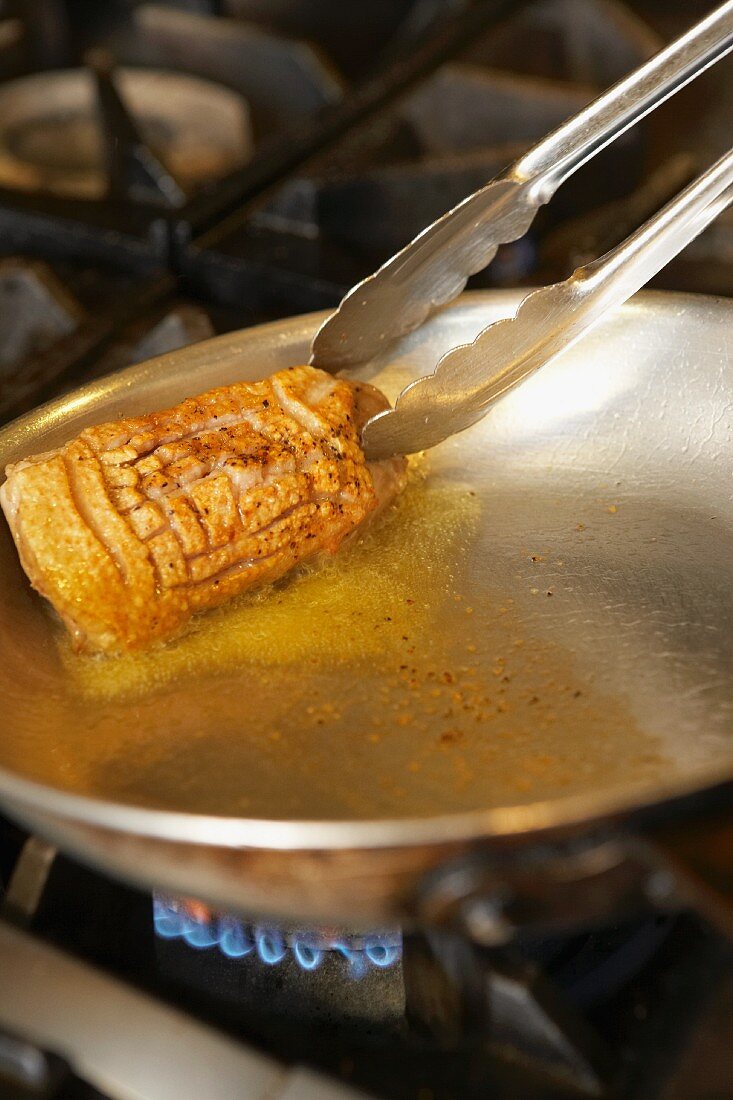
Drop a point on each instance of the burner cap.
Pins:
(51, 138)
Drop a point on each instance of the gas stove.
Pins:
(173, 170)
(640, 1009)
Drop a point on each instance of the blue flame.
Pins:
(381, 953)
(270, 946)
(200, 933)
(309, 949)
(167, 921)
(307, 955)
(234, 941)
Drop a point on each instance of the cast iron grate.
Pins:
(352, 134)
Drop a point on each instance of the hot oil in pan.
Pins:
(372, 686)
(368, 601)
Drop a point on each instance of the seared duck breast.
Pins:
(135, 525)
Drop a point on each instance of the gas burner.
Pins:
(274, 945)
(274, 973)
(51, 136)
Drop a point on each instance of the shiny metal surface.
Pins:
(435, 266)
(467, 381)
(590, 545)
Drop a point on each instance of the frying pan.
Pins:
(511, 691)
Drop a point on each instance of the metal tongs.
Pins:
(434, 267)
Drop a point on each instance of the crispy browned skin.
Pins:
(134, 525)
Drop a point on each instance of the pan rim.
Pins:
(536, 819)
(530, 822)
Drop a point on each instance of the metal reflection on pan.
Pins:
(541, 632)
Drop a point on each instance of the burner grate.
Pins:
(322, 202)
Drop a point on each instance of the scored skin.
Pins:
(135, 525)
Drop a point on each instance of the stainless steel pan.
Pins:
(519, 681)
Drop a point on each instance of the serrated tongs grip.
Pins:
(434, 268)
(470, 378)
